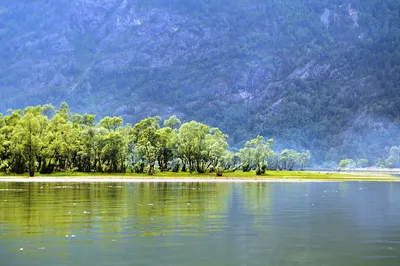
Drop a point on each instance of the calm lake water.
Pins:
(348, 223)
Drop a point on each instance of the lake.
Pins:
(344, 223)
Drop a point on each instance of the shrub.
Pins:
(246, 168)
(139, 167)
(219, 171)
(176, 167)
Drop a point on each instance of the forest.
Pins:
(319, 75)
(45, 139)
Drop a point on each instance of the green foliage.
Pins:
(258, 154)
(219, 171)
(172, 122)
(347, 163)
(35, 139)
(392, 160)
(139, 167)
(176, 167)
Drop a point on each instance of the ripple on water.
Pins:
(207, 224)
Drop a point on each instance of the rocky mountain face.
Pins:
(317, 74)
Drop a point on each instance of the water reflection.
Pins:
(199, 224)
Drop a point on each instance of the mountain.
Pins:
(317, 74)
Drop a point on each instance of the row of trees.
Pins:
(390, 159)
(46, 139)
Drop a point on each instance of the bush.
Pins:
(347, 163)
(176, 167)
(5, 167)
(246, 168)
(139, 167)
(261, 170)
(219, 171)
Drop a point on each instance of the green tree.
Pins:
(255, 153)
(165, 147)
(362, 163)
(200, 146)
(114, 153)
(305, 158)
(172, 122)
(111, 123)
(27, 136)
(347, 163)
(147, 141)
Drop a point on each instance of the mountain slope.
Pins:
(314, 74)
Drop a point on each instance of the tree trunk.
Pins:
(151, 169)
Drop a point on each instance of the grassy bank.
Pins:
(237, 175)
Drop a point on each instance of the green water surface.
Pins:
(348, 223)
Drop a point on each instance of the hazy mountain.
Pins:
(317, 74)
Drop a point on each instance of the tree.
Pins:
(58, 140)
(305, 158)
(247, 157)
(347, 163)
(83, 121)
(230, 160)
(200, 146)
(114, 153)
(393, 159)
(111, 123)
(27, 137)
(215, 147)
(64, 111)
(255, 153)
(146, 139)
(172, 122)
(47, 140)
(164, 147)
(289, 159)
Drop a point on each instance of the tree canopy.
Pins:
(47, 140)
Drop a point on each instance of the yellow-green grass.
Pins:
(237, 175)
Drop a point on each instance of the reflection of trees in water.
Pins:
(256, 198)
(109, 207)
(35, 206)
(185, 208)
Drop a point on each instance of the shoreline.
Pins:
(124, 179)
(157, 180)
(238, 177)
